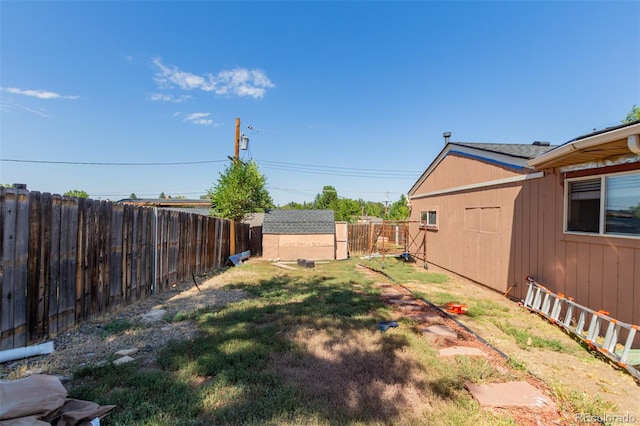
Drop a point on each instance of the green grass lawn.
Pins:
(303, 349)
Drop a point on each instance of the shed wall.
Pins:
(292, 247)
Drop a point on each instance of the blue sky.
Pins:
(361, 91)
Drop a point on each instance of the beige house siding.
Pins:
(498, 235)
(474, 232)
(292, 247)
(457, 170)
(601, 272)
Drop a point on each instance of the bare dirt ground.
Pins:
(576, 370)
(92, 342)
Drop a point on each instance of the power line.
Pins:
(370, 175)
(339, 168)
(93, 163)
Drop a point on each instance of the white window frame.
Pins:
(426, 223)
(603, 202)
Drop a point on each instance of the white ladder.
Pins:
(561, 310)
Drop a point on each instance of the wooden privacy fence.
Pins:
(365, 237)
(65, 260)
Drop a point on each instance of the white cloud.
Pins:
(238, 81)
(199, 118)
(40, 94)
(168, 98)
(10, 107)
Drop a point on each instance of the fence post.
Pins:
(154, 274)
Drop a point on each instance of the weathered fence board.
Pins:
(66, 260)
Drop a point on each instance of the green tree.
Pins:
(162, 195)
(293, 206)
(76, 193)
(133, 196)
(399, 210)
(347, 210)
(328, 199)
(240, 189)
(633, 115)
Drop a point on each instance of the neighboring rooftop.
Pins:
(253, 219)
(520, 150)
(299, 222)
(166, 202)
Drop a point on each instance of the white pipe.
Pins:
(26, 352)
(633, 142)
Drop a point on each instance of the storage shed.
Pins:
(299, 234)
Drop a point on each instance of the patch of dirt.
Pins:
(93, 343)
(424, 314)
(575, 370)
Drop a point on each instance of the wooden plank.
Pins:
(595, 276)
(10, 213)
(517, 227)
(72, 272)
(65, 236)
(173, 247)
(90, 270)
(535, 227)
(134, 255)
(81, 258)
(54, 264)
(549, 232)
(127, 245)
(582, 276)
(105, 258)
(625, 284)
(525, 194)
(44, 282)
(34, 297)
(610, 279)
(571, 266)
(147, 259)
(21, 271)
(559, 244)
(198, 253)
(115, 264)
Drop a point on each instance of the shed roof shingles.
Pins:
(299, 222)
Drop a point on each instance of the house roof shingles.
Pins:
(299, 222)
(520, 150)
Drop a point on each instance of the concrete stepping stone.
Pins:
(127, 352)
(154, 315)
(430, 318)
(403, 302)
(510, 394)
(123, 360)
(389, 292)
(462, 350)
(439, 330)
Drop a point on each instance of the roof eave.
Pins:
(589, 142)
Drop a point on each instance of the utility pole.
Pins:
(386, 205)
(236, 158)
(237, 144)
